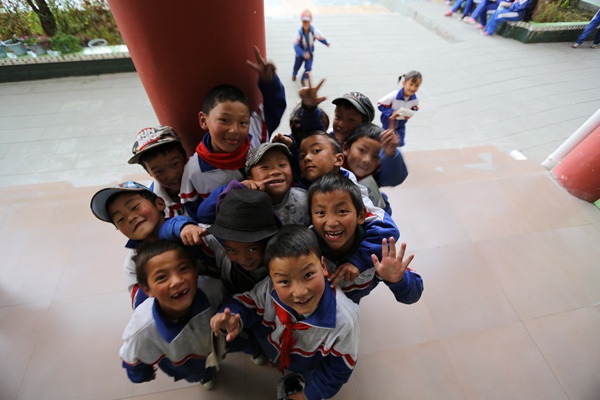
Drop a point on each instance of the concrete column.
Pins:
(183, 48)
(579, 171)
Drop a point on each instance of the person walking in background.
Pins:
(304, 45)
(594, 23)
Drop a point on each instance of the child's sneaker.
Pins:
(484, 33)
(208, 382)
(469, 20)
(448, 13)
(595, 46)
(576, 45)
(479, 26)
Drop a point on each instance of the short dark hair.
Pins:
(368, 129)
(222, 93)
(146, 194)
(335, 144)
(347, 104)
(292, 241)
(161, 150)
(147, 251)
(332, 182)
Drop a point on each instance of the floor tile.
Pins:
(502, 363)
(461, 293)
(569, 343)
(531, 274)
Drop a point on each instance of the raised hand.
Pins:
(391, 268)
(308, 94)
(226, 321)
(266, 71)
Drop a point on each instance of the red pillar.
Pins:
(183, 48)
(579, 171)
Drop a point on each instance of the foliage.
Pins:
(84, 19)
(65, 43)
(36, 40)
(561, 11)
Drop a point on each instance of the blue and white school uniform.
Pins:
(394, 101)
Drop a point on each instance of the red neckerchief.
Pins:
(234, 160)
(287, 336)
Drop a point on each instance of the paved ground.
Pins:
(476, 90)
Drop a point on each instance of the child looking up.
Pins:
(160, 152)
(373, 156)
(232, 131)
(398, 106)
(304, 45)
(172, 328)
(340, 221)
(245, 222)
(138, 213)
(301, 323)
(269, 169)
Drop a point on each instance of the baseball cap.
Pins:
(149, 138)
(255, 154)
(99, 200)
(360, 102)
(245, 216)
(306, 15)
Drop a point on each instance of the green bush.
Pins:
(561, 11)
(65, 43)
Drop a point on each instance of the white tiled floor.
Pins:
(509, 259)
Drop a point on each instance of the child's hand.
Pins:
(191, 234)
(346, 271)
(266, 71)
(389, 142)
(256, 185)
(285, 139)
(308, 94)
(391, 268)
(306, 55)
(226, 321)
(296, 396)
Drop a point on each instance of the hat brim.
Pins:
(225, 233)
(136, 158)
(355, 104)
(98, 203)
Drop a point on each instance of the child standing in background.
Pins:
(304, 45)
(400, 105)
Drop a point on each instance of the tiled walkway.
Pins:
(509, 259)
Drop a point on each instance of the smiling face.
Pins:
(249, 256)
(172, 280)
(275, 166)
(167, 170)
(135, 216)
(345, 118)
(411, 86)
(228, 124)
(335, 219)
(317, 157)
(299, 282)
(363, 156)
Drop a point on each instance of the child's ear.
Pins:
(202, 120)
(160, 204)
(362, 216)
(147, 290)
(339, 160)
(324, 266)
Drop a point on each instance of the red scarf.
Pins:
(287, 337)
(234, 160)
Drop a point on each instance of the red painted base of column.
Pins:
(579, 171)
(181, 49)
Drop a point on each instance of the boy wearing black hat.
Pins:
(160, 152)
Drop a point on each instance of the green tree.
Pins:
(47, 20)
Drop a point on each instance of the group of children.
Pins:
(502, 11)
(261, 243)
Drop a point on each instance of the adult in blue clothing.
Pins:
(304, 45)
(594, 23)
(506, 11)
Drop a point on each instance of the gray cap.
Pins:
(255, 154)
(98, 203)
(360, 102)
